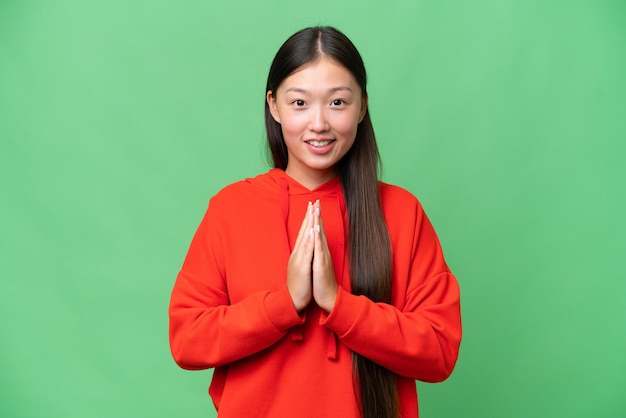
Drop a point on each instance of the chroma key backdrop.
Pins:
(120, 119)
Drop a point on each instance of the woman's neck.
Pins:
(311, 179)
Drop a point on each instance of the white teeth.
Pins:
(319, 143)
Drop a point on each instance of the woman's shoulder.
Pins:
(261, 187)
(392, 195)
(232, 190)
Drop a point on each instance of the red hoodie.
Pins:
(231, 310)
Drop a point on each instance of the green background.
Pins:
(119, 120)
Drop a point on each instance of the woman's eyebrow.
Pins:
(295, 90)
(332, 90)
(341, 88)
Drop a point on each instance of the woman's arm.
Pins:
(205, 329)
(420, 342)
(419, 335)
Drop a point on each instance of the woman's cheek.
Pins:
(346, 128)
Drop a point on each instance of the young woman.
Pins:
(315, 290)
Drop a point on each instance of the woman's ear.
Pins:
(271, 103)
(363, 109)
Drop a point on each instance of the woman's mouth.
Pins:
(319, 144)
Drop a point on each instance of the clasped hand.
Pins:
(310, 274)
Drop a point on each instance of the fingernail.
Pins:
(317, 228)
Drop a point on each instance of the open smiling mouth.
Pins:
(320, 144)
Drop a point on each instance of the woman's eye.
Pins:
(338, 102)
(298, 103)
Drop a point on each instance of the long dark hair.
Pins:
(369, 246)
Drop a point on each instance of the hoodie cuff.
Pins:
(344, 313)
(280, 310)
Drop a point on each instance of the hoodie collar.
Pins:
(331, 187)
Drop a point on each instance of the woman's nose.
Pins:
(318, 121)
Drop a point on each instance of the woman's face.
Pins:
(319, 108)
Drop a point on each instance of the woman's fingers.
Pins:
(324, 283)
(310, 273)
(305, 225)
(299, 267)
(320, 227)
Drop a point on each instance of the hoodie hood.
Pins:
(292, 198)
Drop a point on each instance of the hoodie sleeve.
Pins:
(205, 329)
(418, 335)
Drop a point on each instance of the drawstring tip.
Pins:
(331, 354)
(296, 333)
